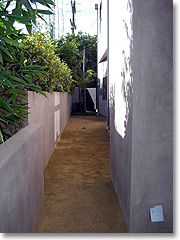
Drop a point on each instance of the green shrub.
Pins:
(15, 76)
(41, 50)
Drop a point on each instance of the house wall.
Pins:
(141, 110)
(152, 151)
(102, 47)
(120, 92)
(53, 112)
(102, 72)
(102, 29)
(22, 180)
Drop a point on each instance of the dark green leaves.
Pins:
(15, 76)
(12, 42)
(45, 12)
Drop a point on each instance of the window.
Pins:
(104, 89)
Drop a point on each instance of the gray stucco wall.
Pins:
(141, 110)
(22, 181)
(23, 158)
(152, 150)
(53, 112)
(103, 107)
(121, 97)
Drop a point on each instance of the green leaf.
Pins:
(9, 83)
(34, 72)
(18, 9)
(7, 24)
(34, 67)
(44, 12)
(24, 20)
(6, 106)
(3, 120)
(10, 32)
(43, 3)
(3, 13)
(12, 42)
(50, 2)
(22, 59)
(26, 4)
(18, 80)
(37, 89)
(29, 28)
(5, 51)
(32, 14)
(1, 58)
(1, 136)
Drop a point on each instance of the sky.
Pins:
(85, 17)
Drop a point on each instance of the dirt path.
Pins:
(79, 195)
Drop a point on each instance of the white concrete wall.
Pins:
(102, 47)
(21, 180)
(102, 72)
(102, 32)
(120, 92)
(141, 110)
(53, 112)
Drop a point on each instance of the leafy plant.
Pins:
(41, 50)
(70, 49)
(15, 76)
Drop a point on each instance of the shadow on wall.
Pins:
(53, 113)
(121, 145)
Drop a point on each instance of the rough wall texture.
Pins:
(103, 107)
(22, 181)
(152, 151)
(141, 110)
(23, 159)
(120, 92)
(53, 113)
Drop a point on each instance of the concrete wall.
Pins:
(102, 72)
(23, 159)
(141, 110)
(120, 92)
(22, 181)
(102, 47)
(53, 112)
(152, 150)
(102, 28)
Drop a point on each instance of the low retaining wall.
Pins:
(22, 180)
(23, 158)
(53, 112)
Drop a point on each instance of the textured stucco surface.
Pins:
(152, 150)
(53, 112)
(141, 110)
(120, 92)
(22, 181)
(23, 159)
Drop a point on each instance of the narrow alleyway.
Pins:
(79, 195)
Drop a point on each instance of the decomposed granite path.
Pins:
(79, 195)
